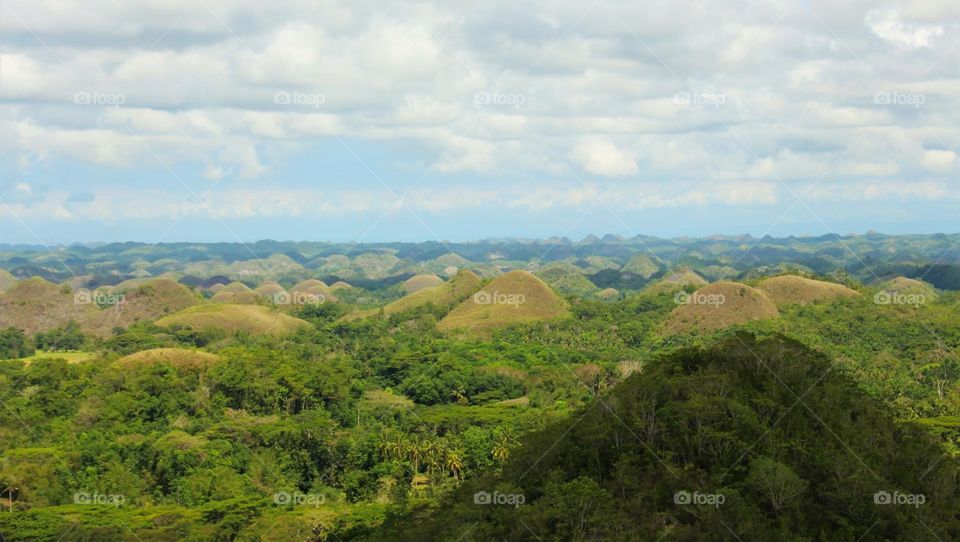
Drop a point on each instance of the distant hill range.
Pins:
(606, 262)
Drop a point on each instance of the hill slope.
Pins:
(444, 296)
(517, 296)
(152, 300)
(178, 357)
(232, 318)
(35, 305)
(791, 289)
(719, 305)
(421, 282)
(6, 280)
(705, 443)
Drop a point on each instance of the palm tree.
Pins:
(415, 452)
(501, 448)
(454, 463)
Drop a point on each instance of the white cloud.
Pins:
(602, 157)
(888, 26)
(939, 161)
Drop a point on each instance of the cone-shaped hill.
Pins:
(516, 297)
(717, 306)
(444, 296)
(905, 286)
(254, 319)
(710, 445)
(236, 293)
(677, 281)
(6, 280)
(149, 301)
(421, 282)
(35, 305)
(791, 289)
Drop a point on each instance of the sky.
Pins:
(239, 120)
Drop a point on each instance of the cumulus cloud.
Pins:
(228, 92)
(602, 157)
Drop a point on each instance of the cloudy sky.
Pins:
(333, 120)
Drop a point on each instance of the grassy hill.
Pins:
(253, 319)
(516, 297)
(35, 305)
(642, 265)
(150, 301)
(706, 445)
(677, 280)
(791, 289)
(909, 287)
(177, 357)
(6, 280)
(236, 293)
(421, 282)
(446, 295)
(717, 306)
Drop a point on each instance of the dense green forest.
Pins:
(385, 428)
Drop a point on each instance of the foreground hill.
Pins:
(710, 445)
(513, 298)
(150, 301)
(35, 305)
(717, 306)
(252, 319)
(791, 289)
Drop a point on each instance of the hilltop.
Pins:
(906, 287)
(717, 306)
(677, 281)
(515, 297)
(35, 305)
(152, 300)
(252, 319)
(421, 282)
(443, 296)
(792, 289)
(6, 280)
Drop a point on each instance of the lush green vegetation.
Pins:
(385, 427)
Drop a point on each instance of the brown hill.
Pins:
(35, 305)
(178, 357)
(339, 285)
(791, 289)
(236, 293)
(310, 283)
(516, 297)
(150, 301)
(421, 282)
(254, 319)
(905, 286)
(677, 281)
(717, 306)
(269, 289)
(446, 295)
(6, 280)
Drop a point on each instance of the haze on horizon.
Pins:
(418, 121)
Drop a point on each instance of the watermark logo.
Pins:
(698, 298)
(909, 499)
(86, 297)
(301, 99)
(99, 98)
(897, 298)
(84, 497)
(498, 298)
(298, 298)
(701, 98)
(684, 498)
(296, 498)
(899, 98)
(496, 97)
(508, 499)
